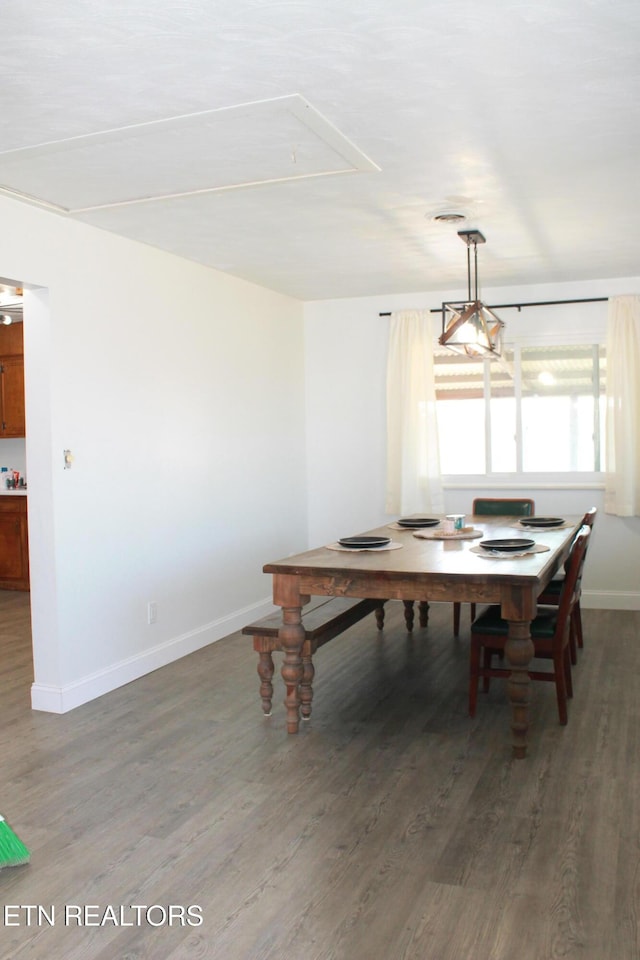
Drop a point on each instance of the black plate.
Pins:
(360, 542)
(512, 545)
(542, 521)
(416, 522)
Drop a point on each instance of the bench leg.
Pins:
(379, 612)
(306, 686)
(265, 672)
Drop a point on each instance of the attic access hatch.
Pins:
(251, 144)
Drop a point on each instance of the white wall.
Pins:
(345, 348)
(180, 392)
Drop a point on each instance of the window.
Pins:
(538, 409)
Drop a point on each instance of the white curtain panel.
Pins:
(414, 483)
(622, 481)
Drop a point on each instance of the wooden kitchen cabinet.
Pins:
(14, 543)
(12, 418)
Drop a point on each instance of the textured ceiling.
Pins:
(307, 144)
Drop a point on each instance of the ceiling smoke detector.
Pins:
(449, 217)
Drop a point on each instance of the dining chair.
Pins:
(550, 596)
(550, 633)
(494, 507)
(503, 506)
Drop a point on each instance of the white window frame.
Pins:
(519, 479)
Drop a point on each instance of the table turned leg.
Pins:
(423, 613)
(379, 612)
(408, 614)
(519, 652)
(286, 594)
(292, 639)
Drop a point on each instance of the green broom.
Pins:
(12, 850)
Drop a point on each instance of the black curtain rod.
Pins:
(519, 306)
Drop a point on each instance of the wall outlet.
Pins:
(152, 611)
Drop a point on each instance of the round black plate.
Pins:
(416, 522)
(360, 542)
(514, 545)
(542, 521)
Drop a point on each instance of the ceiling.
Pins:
(306, 145)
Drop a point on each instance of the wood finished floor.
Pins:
(392, 828)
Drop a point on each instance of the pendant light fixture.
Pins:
(471, 328)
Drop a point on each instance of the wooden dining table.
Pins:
(421, 569)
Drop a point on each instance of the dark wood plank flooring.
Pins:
(391, 827)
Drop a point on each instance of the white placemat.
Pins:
(501, 555)
(388, 546)
(431, 534)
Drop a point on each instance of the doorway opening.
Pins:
(25, 450)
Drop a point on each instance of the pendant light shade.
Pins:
(471, 328)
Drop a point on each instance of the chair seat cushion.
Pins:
(490, 622)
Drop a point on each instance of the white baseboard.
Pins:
(610, 600)
(62, 699)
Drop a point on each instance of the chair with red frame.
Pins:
(550, 596)
(550, 633)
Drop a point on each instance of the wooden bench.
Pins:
(323, 619)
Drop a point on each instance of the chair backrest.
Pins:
(490, 507)
(571, 584)
(589, 519)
